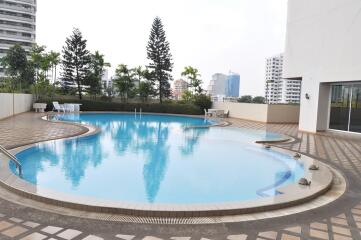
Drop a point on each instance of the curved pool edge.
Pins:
(293, 194)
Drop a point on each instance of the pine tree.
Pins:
(75, 63)
(161, 59)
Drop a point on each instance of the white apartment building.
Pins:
(218, 85)
(17, 24)
(273, 77)
(277, 89)
(180, 86)
(323, 51)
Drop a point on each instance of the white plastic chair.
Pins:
(58, 107)
(69, 107)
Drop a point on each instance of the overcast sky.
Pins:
(211, 35)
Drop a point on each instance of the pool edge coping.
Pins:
(11, 182)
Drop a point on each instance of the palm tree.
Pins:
(54, 59)
(193, 76)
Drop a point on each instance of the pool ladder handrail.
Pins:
(13, 158)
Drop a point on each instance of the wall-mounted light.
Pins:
(307, 96)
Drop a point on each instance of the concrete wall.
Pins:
(261, 112)
(322, 47)
(14, 104)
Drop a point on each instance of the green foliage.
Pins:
(42, 89)
(124, 82)
(158, 52)
(15, 64)
(75, 63)
(187, 96)
(172, 108)
(203, 101)
(259, 100)
(94, 78)
(245, 99)
(194, 80)
(145, 90)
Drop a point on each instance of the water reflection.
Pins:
(149, 137)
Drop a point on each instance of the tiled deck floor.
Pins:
(340, 220)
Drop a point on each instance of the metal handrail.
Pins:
(13, 158)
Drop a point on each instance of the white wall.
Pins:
(14, 104)
(261, 112)
(322, 46)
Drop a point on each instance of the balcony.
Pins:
(17, 18)
(8, 7)
(30, 2)
(17, 37)
(20, 28)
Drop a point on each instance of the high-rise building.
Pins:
(277, 89)
(180, 86)
(233, 82)
(17, 24)
(217, 86)
(274, 83)
(323, 51)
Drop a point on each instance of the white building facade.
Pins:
(218, 85)
(17, 24)
(273, 77)
(323, 51)
(277, 89)
(180, 86)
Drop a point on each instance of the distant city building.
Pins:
(233, 82)
(107, 82)
(218, 84)
(180, 86)
(277, 89)
(17, 25)
(274, 83)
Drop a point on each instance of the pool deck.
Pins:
(338, 220)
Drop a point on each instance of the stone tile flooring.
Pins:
(340, 220)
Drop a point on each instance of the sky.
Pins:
(210, 35)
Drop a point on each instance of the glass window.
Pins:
(340, 107)
(355, 120)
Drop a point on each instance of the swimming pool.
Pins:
(160, 159)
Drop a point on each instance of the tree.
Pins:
(158, 52)
(145, 90)
(259, 99)
(54, 59)
(194, 80)
(187, 96)
(15, 64)
(245, 99)
(76, 60)
(97, 68)
(124, 82)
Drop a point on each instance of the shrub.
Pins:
(202, 101)
(173, 108)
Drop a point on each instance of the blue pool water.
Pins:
(157, 159)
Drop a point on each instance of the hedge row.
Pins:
(101, 106)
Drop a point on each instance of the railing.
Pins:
(13, 158)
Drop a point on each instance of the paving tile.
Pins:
(4, 225)
(289, 237)
(125, 237)
(92, 237)
(151, 238)
(356, 211)
(237, 237)
(180, 238)
(341, 230)
(31, 224)
(269, 235)
(69, 234)
(320, 226)
(51, 229)
(14, 231)
(339, 237)
(34, 236)
(297, 229)
(319, 234)
(339, 221)
(16, 220)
